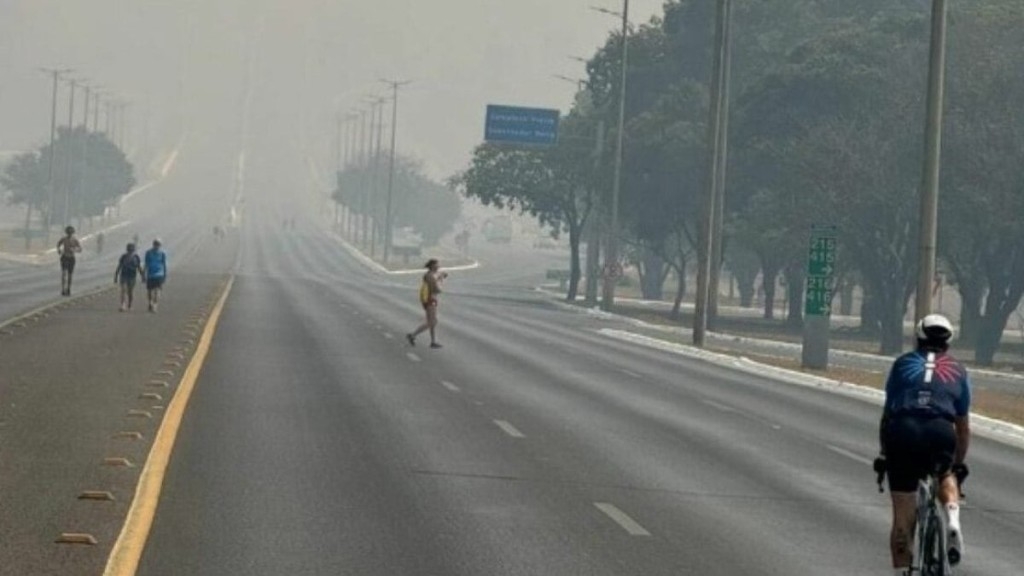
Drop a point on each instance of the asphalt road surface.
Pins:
(319, 442)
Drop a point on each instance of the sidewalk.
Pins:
(82, 390)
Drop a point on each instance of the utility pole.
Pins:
(612, 267)
(388, 224)
(51, 181)
(706, 241)
(69, 160)
(722, 154)
(932, 161)
(375, 174)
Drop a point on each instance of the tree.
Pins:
(556, 185)
(25, 178)
(981, 231)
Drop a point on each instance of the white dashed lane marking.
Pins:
(509, 429)
(413, 357)
(719, 406)
(451, 387)
(622, 519)
(389, 336)
(632, 374)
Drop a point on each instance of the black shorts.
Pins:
(916, 447)
(154, 283)
(67, 263)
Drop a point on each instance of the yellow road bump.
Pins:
(123, 462)
(76, 538)
(128, 436)
(139, 414)
(98, 495)
(127, 551)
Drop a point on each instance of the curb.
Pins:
(722, 337)
(46, 307)
(991, 428)
(374, 265)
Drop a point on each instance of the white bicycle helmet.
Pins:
(934, 328)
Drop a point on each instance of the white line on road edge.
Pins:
(622, 519)
(632, 374)
(851, 455)
(998, 430)
(509, 429)
(389, 336)
(413, 357)
(451, 387)
(718, 406)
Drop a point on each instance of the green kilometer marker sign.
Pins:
(821, 261)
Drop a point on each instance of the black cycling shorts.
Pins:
(916, 447)
(67, 263)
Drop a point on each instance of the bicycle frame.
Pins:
(931, 534)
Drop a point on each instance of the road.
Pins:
(318, 442)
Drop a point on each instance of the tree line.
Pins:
(89, 174)
(826, 127)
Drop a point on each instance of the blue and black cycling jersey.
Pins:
(927, 384)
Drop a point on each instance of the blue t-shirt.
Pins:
(928, 384)
(156, 263)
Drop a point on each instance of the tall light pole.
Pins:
(56, 74)
(69, 152)
(716, 156)
(612, 267)
(388, 231)
(932, 161)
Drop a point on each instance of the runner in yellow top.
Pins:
(430, 288)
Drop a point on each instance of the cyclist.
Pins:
(67, 247)
(925, 429)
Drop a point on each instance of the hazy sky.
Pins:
(184, 64)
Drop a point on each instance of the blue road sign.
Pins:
(518, 125)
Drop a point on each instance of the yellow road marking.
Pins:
(127, 552)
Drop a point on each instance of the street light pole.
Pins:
(708, 233)
(388, 232)
(932, 161)
(69, 160)
(51, 181)
(612, 251)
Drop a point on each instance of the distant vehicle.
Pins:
(498, 230)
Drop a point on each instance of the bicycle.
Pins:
(931, 533)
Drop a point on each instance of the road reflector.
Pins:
(150, 396)
(139, 414)
(129, 435)
(157, 384)
(99, 495)
(118, 462)
(164, 373)
(76, 538)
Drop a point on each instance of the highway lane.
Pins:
(317, 442)
(181, 210)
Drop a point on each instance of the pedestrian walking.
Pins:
(430, 288)
(67, 247)
(129, 268)
(156, 273)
